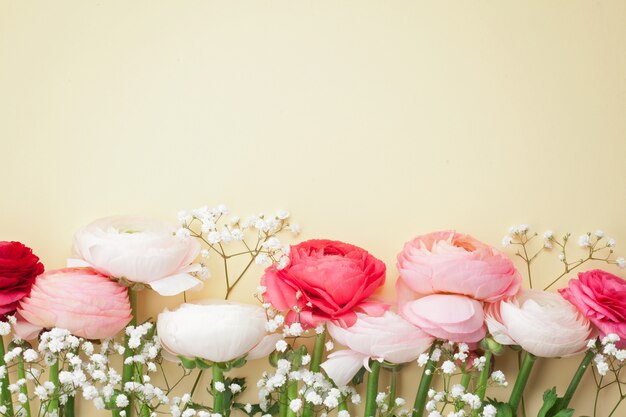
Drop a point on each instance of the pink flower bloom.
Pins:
(80, 300)
(601, 297)
(449, 262)
(445, 316)
(325, 280)
(388, 337)
(139, 250)
(542, 323)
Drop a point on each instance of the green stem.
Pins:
(393, 388)
(571, 389)
(53, 405)
(465, 380)
(21, 374)
(68, 408)
(422, 390)
(520, 382)
(318, 352)
(5, 394)
(218, 396)
(343, 403)
(284, 401)
(372, 389)
(128, 371)
(316, 361)
(292, 394)
(483, 377)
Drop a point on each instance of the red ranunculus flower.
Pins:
(325, 280)
(18, 269)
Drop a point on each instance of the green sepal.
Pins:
(187, 363)
(237, 363)
(359, 376)
(203, 364)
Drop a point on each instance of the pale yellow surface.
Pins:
(370, 121)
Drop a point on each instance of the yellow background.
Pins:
(370, 121)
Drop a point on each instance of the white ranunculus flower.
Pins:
(542, 323)
(388, 337)
(216, 330)
(139, 250)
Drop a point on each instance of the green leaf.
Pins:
(549, 401)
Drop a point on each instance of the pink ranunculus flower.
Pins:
(542, 323)
(388, 337)
(80, 300)
(601, 297)
(139, 250)
(325, 281)
(453, 317)
(449, 262)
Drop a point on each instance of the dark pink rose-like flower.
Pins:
(601, 297)
(325, 280)
(18, 269)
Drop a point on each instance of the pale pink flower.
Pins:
(388, 337)
(542, 323)
(139, 250)
(80, 300)
(449, 262)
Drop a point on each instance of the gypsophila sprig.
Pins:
(460, 371)
(595, 247)
(257, 239)
(608, 361)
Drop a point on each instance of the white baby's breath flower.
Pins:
(331, 402)
(219, 386)
(5, 328)
(621, 262)
(584, 241)
(499, 378)
(457, 390)
(422, 359)
(281, 346)
(506, 240)
(262, 259)
(313, 398)
(448, 367)
(489, 411)
(121, 401)
(295, 405)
